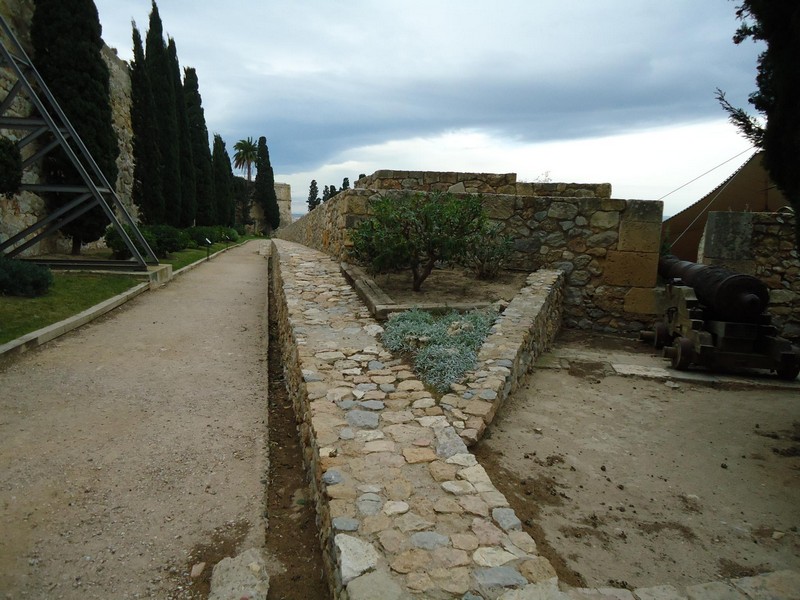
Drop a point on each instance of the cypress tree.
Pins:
(188, 188)
(313, 195)
(147, 187)
(201, 154)
(161, 81)
(223, 182)
(67, 52)
(264, 192)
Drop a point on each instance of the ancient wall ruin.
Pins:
(607, 248)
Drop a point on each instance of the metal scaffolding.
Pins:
(52, 129)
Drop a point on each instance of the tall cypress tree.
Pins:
(223, 182)
(313, 195)
(188, 186)
(264, 192)
(148, 192)
(201, 154)
(66, 45)
(161, 81)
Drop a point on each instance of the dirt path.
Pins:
(631, 482)
(135, 447)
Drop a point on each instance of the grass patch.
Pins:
(183, 258)
(70, 294)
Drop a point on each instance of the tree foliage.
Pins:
(313, 195)
(223, 182)
(159, 70)
(264, 193)
(185, 150)
(148, 192)
(415, 231)
(245, 156)
(67, 46)
(206, 213)
(777, 23)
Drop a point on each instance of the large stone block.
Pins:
(643, 301)
(634, 269)
(499, 207)
(649, 211)
(639, 236)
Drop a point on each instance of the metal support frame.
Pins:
(52, 120)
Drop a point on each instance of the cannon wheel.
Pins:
(660, 335)
(684, 353)
(788, 372)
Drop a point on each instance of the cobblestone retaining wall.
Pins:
(760, 244)
(607, 248)
(402, 505)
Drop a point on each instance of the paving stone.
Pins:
(378, 446)
(506, 518)
(779, 585)
(478, 477)
(447, 505)
(415, 559)
(488, 534)
(393, 541)
(357, 556)
(399, 416)
(242, 576)
(538, 569)
(329, 356)
(458, 488)
(332, 477)
(387, 388)
(363, 419)
(369, 436)
(419, 455)
(377, 585)
(347, 434)
(375, 523)
(434, 422)
(451, 557)
(448, 443)
(411, 521)
(345, 524)
(366, 387)
(372, 405)
(395, 507)
(375, 365)
(410, 385)
(369, 504)
(546, 590)
(429, 540)
(464, 541)
(487, 395)
(498, 577)
(474, 505)
(463, 460)
(454, 580)
(492, 557)
(494, 499)
(523, 541)
(419, 582)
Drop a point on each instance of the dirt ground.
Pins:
(451, 285)
(134, 449)
(631, 482)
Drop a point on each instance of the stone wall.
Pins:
(759, 244)
(607, 248)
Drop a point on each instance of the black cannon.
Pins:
(718, 319)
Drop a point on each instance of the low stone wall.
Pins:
(759, 244)
(608, 248)
(402, 506)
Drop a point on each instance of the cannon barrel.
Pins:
(728, 295)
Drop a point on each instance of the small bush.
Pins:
(201, 233)
(487, 252)
(120, 249)
(10, 167)
(167, 239)
(444, 348)
(20, 278)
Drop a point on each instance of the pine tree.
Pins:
(223, 182)
(161, 81)
(332, 191)
(326, 194)
(264, 192)
(66, 46)
(313, 195)
(206, 213)
(147, 187)
(188, 185)
(345, 184)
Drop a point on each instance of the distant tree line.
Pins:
(328, 192)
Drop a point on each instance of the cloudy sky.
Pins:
(619, 91)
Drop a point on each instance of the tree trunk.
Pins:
(421, 275)
(76, 245)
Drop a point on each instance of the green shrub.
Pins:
(167, 239)
(20, 278)
(118, 247)
(444, 348)
(415, 231)
(10, 167)
(201, 233)
(487, 252)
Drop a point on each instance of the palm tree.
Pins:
(244, 156)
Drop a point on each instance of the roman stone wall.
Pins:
(759, 244)
(607, 248)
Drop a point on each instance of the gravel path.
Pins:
(134, 447)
